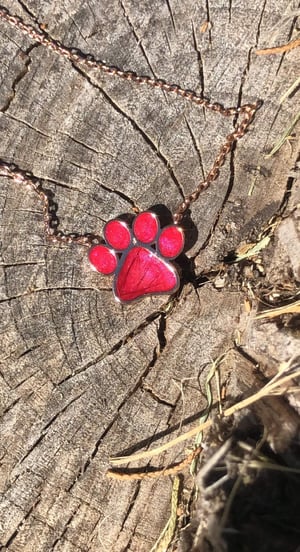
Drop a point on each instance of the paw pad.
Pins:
(139, 257)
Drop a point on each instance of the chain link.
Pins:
(249, 111)
(52, 233)
(77, 57)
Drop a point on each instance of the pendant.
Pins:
(139, 256)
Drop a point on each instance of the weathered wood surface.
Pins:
(82, 377)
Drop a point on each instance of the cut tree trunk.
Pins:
(83, 377)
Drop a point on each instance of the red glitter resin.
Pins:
(103, 259)
(117, 234)
(143, 273)
(145, 227)
(139, 257)
(171, 242)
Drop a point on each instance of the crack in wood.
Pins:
(146, 138)
(157, 398)
(133, 498)
(200, 61)
(22, 381)
(120, 194)
(43, 431)
(66, 526)
(172, 17)
(23, 72)
(80, 142)
(282, 57)
(27, 10)
(27, 124)
(79, 30)
(116, 347)
(28, 351)
(229, 11)
(10, 406)
(161, 333)
(90, 488)
(136, 36)
(196, 147)
(138, 385)
(134, 124)
(208, 21)
(55, 289)
(262, 13)
(13, 536)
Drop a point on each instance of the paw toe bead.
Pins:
(117, 234)
(171, 242)
(145, 227)
(103, 259)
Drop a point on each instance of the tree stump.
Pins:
(82, 377)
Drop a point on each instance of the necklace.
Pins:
(137, 252)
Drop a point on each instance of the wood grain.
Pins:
(83, 378)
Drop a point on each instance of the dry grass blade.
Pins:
(251, 249)
(279, 311)
(257, 465)
(280, 49)
(285, 136)
(167, 534)
(213, 373)
(290, 91)
(165, 471)
(277, 385)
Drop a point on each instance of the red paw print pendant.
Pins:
(139, 257)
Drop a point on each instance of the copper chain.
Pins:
(75, 56)
(26, 179)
